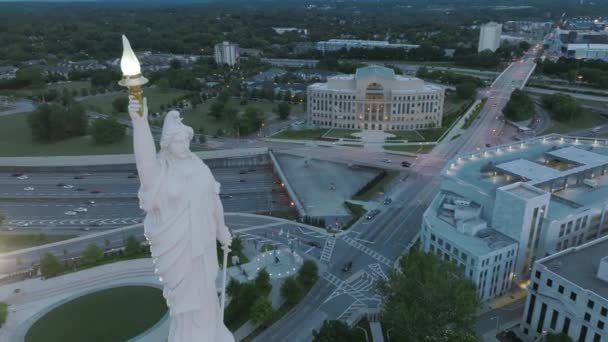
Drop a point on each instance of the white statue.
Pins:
(184, 218)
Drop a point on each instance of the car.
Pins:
(97, 224)
(86, 229)
(24, 224)
(372, 214)
(387, 161)
(388, 201)
(29, 188)
(81, 210)
(95, 191)
(314, 244)
(70, 213)
(242, 180)
(347, 267)
(17, 174)
(80, 189)
(132, 176)
(488, 145)
(61, 184)
(406, 164)
(22, 177)
(68, 186)
(90, 202)
(242, 172)
(79, 177)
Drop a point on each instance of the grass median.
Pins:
(13, 242)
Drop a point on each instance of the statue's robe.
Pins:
(184, 218)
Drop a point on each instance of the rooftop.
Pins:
(375, 70)
(458, 221)
(538, 162)
(579, 265)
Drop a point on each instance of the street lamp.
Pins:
(131, 74)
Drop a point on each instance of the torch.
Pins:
(131, 74)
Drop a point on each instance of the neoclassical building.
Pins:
(375, 98)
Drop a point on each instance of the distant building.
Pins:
(8, 72)
(288, 62)
(227, 53)
(489, 36)
(281, 30)
(546, 194)
(375, 98)
(337, 44)
(568, 293)
(588, 51)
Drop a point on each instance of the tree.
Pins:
(519, 107)
(175, 64)
(216, 109)
(50, 265)
(558, 338)
(233, 287)
(53, 122)
(261, 311)
(428, 299)
(120, 104)
(291, 291)
(132, 246)
(283, 109)
(262, 282)
(84, 92)
(107, 131)
(334, 331)
(30, 77)
(251, 120)
(562, 107)
(308, 274)
(466, 89)
(92, 254)
(230, 113)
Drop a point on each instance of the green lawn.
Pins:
(342, 133)
(199, 117)
(13, 242)
(115, 314)
(103, 102)
(406, 135)
(303, 134)
(588, 119)
(409, 148)
(16, 140)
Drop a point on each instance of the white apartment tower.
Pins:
(489, 36)
(227, 53)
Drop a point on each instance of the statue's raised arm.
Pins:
(143, 144)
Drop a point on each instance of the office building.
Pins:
(568, 294)
(227, 53)
(375, 98)
(588, 51)
(545, 194)
(489, 36)
(337, 44)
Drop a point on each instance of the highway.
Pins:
(377, 244)
(44, 208)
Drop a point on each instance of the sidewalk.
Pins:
(504, 300)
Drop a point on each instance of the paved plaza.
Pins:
(323, 186)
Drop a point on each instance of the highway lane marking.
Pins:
(366, 241)
(309, 250)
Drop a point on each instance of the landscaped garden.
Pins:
(115, 314)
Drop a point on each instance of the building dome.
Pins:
(377, 71)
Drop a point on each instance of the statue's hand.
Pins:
(134, 107)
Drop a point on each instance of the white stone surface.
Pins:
(184, 218)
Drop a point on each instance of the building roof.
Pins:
(527, 169)
(375, 70)
(579, 265)
(579, 156)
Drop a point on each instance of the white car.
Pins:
(81, 210)
(68, 186)
(29, 188)
(23, 177)
(388, 161)
(70, 213)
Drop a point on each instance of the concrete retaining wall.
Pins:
(292, 194)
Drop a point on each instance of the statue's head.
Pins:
(176, 136)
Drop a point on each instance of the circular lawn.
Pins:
(115, 314)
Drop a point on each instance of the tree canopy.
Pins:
(54, 122)
(334, 331)
(107, 131)
(562, 107)
(519, 107)
(428, 299)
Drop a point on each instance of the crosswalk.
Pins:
(372, 253)
(378, 271)
(328, 249)
(352, 310)
(361, 287)
(74, 221)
